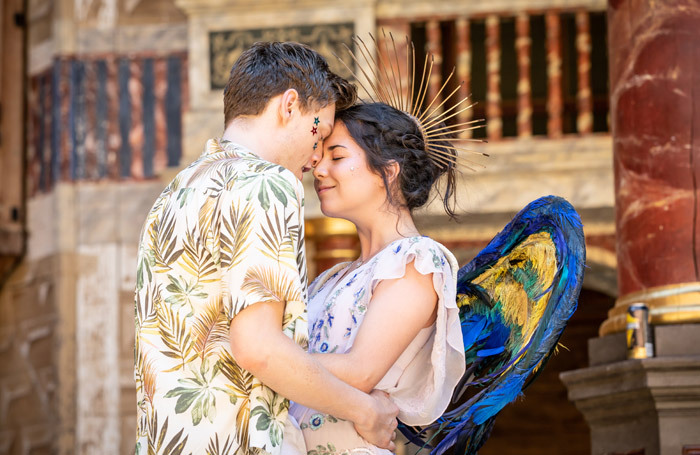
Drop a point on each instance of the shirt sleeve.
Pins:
(259, 242)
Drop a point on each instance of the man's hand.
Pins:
(380, 426)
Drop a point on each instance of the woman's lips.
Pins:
(321, 189)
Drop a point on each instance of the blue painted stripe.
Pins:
(149, 117)
(56, 122)
(43, 82)
(173, 111)
(101, 120)
(124, 118)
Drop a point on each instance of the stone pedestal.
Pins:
(648, 406)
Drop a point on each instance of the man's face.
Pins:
(306, 139)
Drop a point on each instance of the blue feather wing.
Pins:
(515, 299)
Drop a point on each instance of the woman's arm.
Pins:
(398, 310)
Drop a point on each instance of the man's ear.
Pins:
(289, 104)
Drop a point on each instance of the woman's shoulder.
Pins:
(427, 254)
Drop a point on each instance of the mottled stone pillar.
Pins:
(651, 406)
(522, 48)
(584, 118)
(434, 45)
(655, 115)
(464, 62)
(494, 124)
(555, 105)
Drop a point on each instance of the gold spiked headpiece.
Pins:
(384, 84)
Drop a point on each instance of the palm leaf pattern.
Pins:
(197, 260)
(214, 448)
(233, 235)
(210, 328)
(157, 444)
(164, 242)
(279, 239)
(228, 227)
(271, 285)
(176, 338)
(239, 390)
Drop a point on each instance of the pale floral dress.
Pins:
(423, 378)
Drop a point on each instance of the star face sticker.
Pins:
(314, 131)
(316, 121)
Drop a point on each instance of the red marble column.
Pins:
(91, 172)
(584, 119)
(655, 116)
(554, 94)
(522, 48)
(464, 61)
(136, 133)
(434, 39)
(113, 136)
(494, 125)
(392, 35)
(160, 158)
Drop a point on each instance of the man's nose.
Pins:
(315, 158)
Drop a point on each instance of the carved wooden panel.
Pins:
(327, 39)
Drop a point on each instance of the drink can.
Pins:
(640, 339)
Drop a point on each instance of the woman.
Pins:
(388, 320)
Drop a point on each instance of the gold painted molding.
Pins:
(344, 253)
(326, 227)
(673, 304)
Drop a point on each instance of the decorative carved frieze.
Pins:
(328, 39)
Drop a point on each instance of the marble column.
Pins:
(655, 106)
(651, 406)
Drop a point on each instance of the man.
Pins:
(221, 283)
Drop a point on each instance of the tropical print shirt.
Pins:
(226, 233)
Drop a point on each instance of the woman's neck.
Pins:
(382, 228)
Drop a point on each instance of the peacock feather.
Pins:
(515, 299)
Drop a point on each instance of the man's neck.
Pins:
(247, 133)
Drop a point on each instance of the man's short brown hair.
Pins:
(267, 69)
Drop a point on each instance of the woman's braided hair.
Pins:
(388, 135)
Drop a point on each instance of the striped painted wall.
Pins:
(106, 117)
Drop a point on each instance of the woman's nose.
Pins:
(319, 169)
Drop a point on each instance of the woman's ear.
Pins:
(289, 103)
(392, 172)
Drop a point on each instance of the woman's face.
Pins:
(346, 186)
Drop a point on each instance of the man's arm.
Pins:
(259, 346)
(399, 309)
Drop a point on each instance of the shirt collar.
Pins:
(218, 145)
